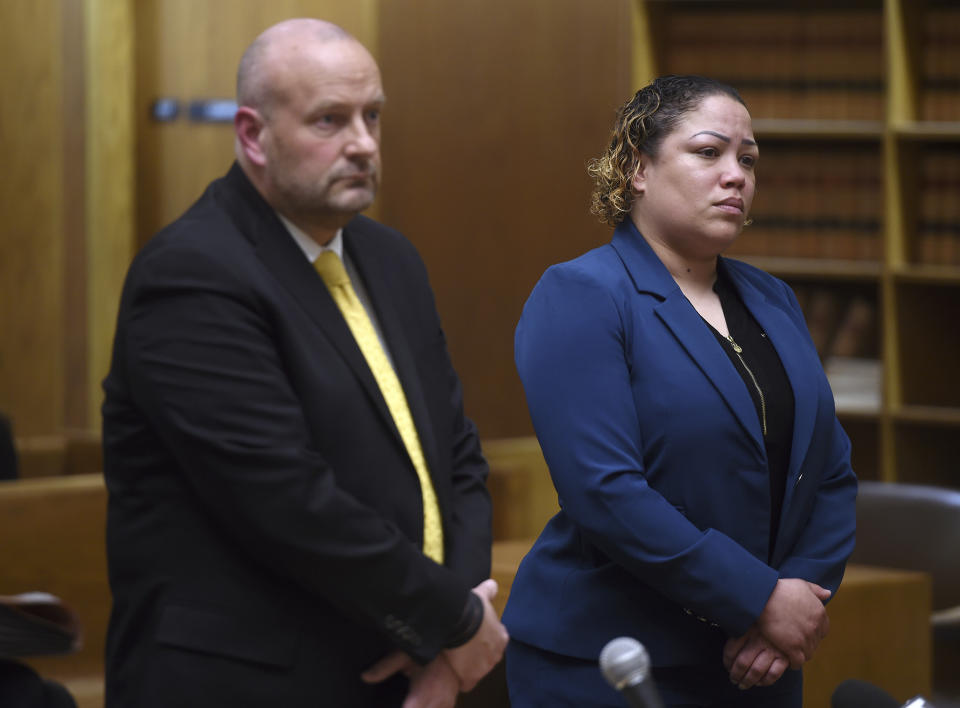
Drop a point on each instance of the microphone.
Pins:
(860, 694)
(625, 665)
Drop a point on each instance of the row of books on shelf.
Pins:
(782, 237)
(938, 222)
(816, 204)
(844, 329)
(940, 84)
(797, 64)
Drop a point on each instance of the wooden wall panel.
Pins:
(187, 50)
(109, 160)
(31, 235)
(76, 396)
(494, 107)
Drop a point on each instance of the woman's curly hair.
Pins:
(642, 124)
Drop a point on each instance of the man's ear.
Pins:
(639, 181)
(249, 127)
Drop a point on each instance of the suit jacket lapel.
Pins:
(285, 260)
(683, 321)
(376, 278)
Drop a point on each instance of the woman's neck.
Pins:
(695, 279)
(694, 275)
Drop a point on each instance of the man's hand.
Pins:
(752, 660)
(473, 660)
(432, 686)
(794, 619)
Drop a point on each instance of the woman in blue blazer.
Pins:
(706, 493)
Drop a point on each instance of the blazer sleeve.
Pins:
(827, 539)
(201, 362)
(571, 347)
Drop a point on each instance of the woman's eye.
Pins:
(748, 160)
(709, 152)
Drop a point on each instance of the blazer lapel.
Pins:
(285, 260)
(683, 321)
(801, 365)
(375, 273)
(702, 346)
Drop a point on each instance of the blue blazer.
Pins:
(656, 451)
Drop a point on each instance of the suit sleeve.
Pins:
(202, 363)
(821, 552)
(571, 355)
(469, 530)
(462, 479)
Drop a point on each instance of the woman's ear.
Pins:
(639, 181)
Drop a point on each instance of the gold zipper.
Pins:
(763, 403)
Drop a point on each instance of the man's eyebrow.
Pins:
(724, 138)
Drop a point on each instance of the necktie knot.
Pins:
(330, 268)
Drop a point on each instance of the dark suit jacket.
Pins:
(265, 521)
(655, 448)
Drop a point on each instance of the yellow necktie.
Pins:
(335, 277)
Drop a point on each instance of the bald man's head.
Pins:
(308, 123)
(258, 80)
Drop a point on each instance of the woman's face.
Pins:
(695, 195)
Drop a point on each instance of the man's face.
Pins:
(321, 137)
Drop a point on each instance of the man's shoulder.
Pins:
(364, 237)
(364, 228)
(211, 224)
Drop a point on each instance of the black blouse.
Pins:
(756, 360)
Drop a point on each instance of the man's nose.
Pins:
(363, 140)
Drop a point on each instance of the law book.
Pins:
(938, 230)
(856, 335)
(951, 241)
(941, 65)
(852, 363)
(930, 201)
(867, 199)
(36, 623)
(823, 312)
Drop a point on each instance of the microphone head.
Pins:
(624, 662)
(853, 693)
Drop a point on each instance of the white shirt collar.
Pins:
(311, 248)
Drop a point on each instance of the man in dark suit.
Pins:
(298, 513)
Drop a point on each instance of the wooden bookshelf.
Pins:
(919, 131)
(823, 268)
(819, 129)
(856, 106)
